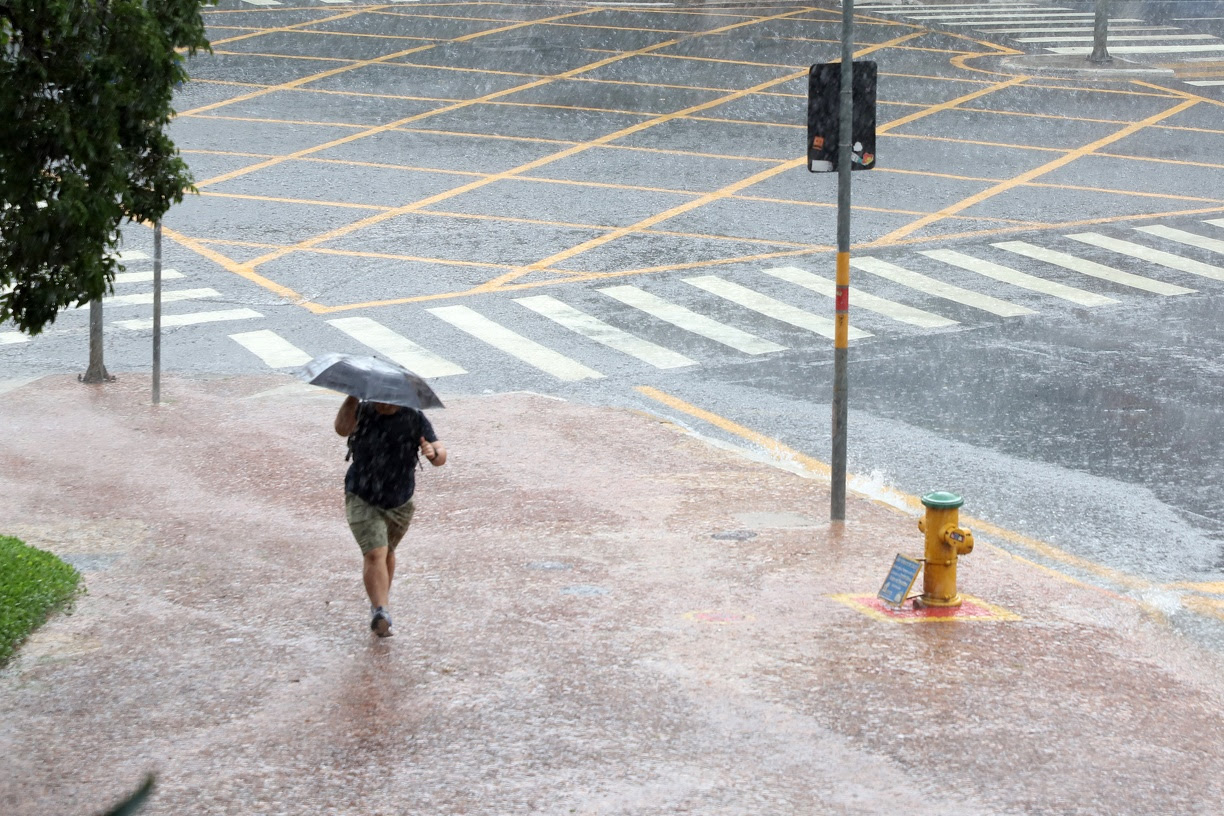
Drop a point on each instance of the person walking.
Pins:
(384, 442)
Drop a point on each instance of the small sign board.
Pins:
(900, 578)
(824, 116)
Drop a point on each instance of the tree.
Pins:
(85, 90)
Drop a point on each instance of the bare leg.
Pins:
(390, 571)
(377, 576)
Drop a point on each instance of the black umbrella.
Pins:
(369, 378)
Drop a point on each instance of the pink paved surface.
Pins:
(570, 637)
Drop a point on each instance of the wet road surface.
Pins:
(581, 200)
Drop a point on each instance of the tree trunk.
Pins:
(97, 371)
(1100, 34)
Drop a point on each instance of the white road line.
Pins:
(1140, 49)
(1004, 16)
(1183, 237)
(10, 337)
(146, 276)
(1215, 222)
(1017, 15)
(514, 344)
(1155, 256)
(947, 291)
(273, 349)
(1091, 268)
(691, 321)
(911, 6)
(1042, 20)
(771, 307)
(1205, 83)
(262, 2)
(146, 299)
(1017, 278)
(862, 300)
(396, 347)
(594, 329)
(1065, 30)
(1118, 38)
(131, 255)
(170, 321)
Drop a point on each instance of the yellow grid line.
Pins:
(428, 201)
(1030, 175)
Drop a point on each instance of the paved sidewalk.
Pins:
(596, 613)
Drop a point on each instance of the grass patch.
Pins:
(33, 584)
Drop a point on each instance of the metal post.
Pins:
(157, 270)
(1100, 34)
(837, 491)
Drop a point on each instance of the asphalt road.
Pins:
(610, 204)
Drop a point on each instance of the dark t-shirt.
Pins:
(385, 448)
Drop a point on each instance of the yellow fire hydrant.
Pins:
(945, 540)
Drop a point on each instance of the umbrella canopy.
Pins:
(369, 378)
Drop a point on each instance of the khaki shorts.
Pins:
(374, 527)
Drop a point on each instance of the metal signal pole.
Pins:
(837, 491)
(157, 286)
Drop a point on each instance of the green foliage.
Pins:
(33, 584)
(85, 91)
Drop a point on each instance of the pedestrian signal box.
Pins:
(824, 116)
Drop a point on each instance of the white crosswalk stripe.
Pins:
(1049, 19)
(1206, 83)
(396, 347)
(931, 286)
(771, 307)
(691, 321)
(146, 276)
(1004, 16)
(1065, 30)
(1215, 222)
(170, 321)
(595, 329)
(273, 349)
(8, 338)
(146, 299)
(1155, 256)
(1183, 237)
(1139, 49)
(1017, 278)
(1092, 268)
(862, 300)
(514, 344)
(1113, 38)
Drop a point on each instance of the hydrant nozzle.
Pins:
(945, 541)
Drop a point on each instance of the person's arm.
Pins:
(346, 417)
(434, 451)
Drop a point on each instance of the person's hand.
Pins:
(427, 449)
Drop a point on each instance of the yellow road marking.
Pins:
(364, 63)
(418, 205)
(231, 265)
(1157, 160)
(781, 452)
(281, 56)
(283, 200)
(1210, 587)
(1029, 175)
(293, 27)
(689, 205)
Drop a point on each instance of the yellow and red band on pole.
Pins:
(841, 325)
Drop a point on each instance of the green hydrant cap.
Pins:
(942, 500)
